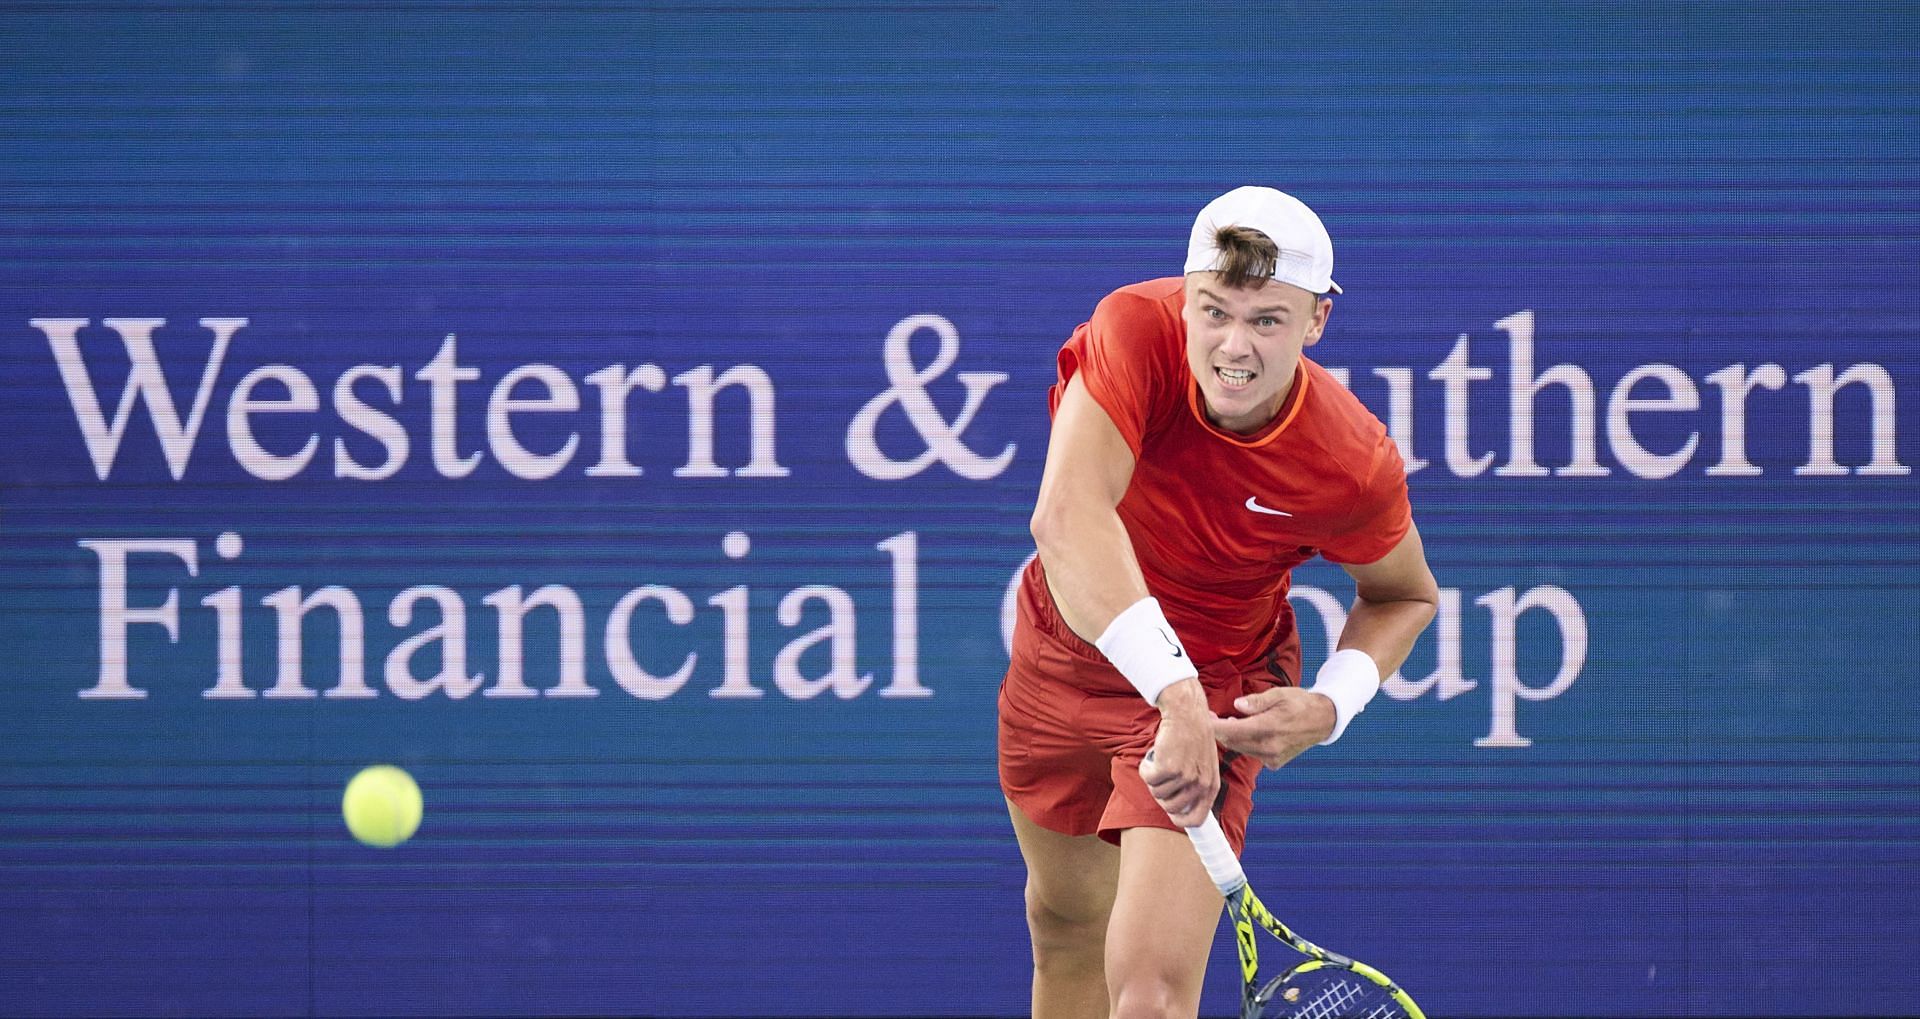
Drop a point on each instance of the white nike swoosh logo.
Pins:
(1253, 503)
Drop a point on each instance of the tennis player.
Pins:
(1196, 457)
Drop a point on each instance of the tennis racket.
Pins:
(1327, 985)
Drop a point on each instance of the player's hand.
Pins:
(1183, 769)
(1280, 724)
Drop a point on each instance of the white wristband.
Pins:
(1140, 643)
(1349, 679)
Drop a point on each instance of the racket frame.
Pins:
(1246, 911)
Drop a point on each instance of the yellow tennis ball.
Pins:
(382, 806)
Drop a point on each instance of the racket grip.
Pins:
(1217, 854)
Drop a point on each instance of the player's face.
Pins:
(1243, 345)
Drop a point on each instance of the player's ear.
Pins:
(1322, 310)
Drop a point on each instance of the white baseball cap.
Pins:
(1306, 252)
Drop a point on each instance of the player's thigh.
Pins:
(1164, 915)
(1070, 878)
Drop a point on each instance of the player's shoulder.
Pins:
(1155, 301)
(1340, 423)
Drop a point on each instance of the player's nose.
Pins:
(1237, 342)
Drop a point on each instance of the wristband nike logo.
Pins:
(1177, 653)
(1253, 503)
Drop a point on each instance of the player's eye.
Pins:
(1216, 314)
(1266, 322)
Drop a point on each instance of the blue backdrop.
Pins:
(646, 403)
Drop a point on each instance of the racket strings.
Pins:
(1343, 999)
(1331, 1002)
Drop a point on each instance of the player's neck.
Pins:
(1284, 406)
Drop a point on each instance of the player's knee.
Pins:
(1066, 928)
(1150, 996)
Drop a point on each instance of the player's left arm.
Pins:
(1396, 597)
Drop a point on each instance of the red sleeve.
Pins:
(1121, 357)
(1381, 514)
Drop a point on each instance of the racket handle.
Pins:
(1215, 852)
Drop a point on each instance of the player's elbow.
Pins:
(1423, 605)
(1429, 605)
(1429, 592)
(1053, 513)
(1423, 590)
(1072, 519)
(1419, 596)
(1048, 524)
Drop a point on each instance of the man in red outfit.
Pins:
(1196, 457)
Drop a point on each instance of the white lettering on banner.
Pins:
(145, 383)
(1681, 395)
(301, 399)
(1609, 428)
(908, 389)
(443, 376)
(116, 614)
(736, 680)
(367, 421)
(572, 618)
(1456, 373)
(228, 683)
(291, 612)
(736, 677)
(615, 383)
(1652, 388)
(1523, 386)
(904, 548)
(524, 390)
(448, 633)
(701, 385)
(1821, 385)
(839, 635)
(560, 396)
(1507, 686)
(619, 645)
(1735, 383)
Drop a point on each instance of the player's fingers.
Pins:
(1168, 775)
(1181, 801)
(1169, 783)
(1190, 814)
(1255, 703)
(1243, 735)
(1170, 791)
(1226, 730)
(1150, 769)
(1186, 790)
(1181, 795)
(1175, 804)
(1153, 771)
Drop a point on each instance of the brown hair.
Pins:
(1247, 256)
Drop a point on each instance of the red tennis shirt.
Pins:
(1219, 520)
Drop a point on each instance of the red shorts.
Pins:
(1073, 730)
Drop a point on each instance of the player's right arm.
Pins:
(1094, 578)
